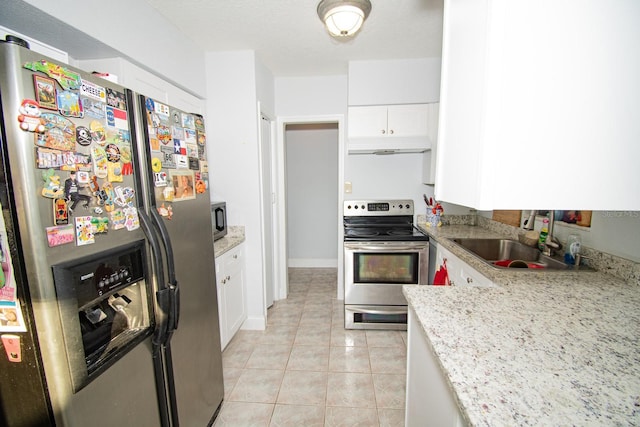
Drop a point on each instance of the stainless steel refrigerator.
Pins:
(108, 307)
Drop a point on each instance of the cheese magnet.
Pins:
(156, 164)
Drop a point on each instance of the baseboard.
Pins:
(255, 323)
(312, 263)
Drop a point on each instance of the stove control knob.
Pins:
(407, 206)
(348, 207)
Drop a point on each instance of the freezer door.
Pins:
(62, 127)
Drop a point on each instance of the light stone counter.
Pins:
(235, 236)
(542, 348)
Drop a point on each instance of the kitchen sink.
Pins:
(507, 253)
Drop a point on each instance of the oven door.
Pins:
(376, 271)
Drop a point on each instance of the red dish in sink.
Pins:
(510, 263)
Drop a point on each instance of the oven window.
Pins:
(400, 268)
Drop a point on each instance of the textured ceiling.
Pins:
(290, 40)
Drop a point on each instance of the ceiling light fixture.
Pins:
(343, 18)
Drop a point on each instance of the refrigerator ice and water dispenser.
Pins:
(104, 308)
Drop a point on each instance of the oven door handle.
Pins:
(361, 309)
(369, 247)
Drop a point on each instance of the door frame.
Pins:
(265, 239)
(281, 254)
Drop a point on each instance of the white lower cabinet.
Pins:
(232, 302)
(429, 401)
(460, 273)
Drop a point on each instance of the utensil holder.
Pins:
(433, 219)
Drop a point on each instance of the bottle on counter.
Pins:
(544, 232)
(572, 249)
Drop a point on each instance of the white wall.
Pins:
(311, 96)
(612, 232)
(137, 31)
(234, 164)
(398, 81)
(265, 88)
(396, 176)
(312, 196)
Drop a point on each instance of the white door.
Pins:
(268, 200)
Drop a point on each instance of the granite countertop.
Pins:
(542, 348)
(235, 236)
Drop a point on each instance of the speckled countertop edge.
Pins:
(543, 348)
(235, 236)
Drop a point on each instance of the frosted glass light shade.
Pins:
(343, 18)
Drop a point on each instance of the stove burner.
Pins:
(400, 232)
(363, 233)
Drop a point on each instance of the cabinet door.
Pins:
(444, 258)
(407, 120)
(222, 311)
(518, 105)
(232, 303)
(367, 122)
(471, 277)
(460, 273)
(428, 394)
(235, 301)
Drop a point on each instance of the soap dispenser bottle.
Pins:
(544, 232)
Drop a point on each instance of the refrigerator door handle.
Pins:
(172, 295)
(160, 332)
(162, 293)
(172, 284)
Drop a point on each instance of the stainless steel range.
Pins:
(383, 250)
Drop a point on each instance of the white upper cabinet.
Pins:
(393, 128)
(367, 122)
(539, 105)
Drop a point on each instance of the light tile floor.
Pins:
(305, 369)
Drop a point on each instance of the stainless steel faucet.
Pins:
(530, 222)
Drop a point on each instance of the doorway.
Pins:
(310, 150)
(312, 199)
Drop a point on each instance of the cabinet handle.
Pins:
(384, 131)
(228, 277)
(235, 256)
(223, 281)
(391, 131)
(469, 280)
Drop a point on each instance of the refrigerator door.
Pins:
(178, 197)
(70, 194)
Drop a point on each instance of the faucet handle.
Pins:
(579, 258)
